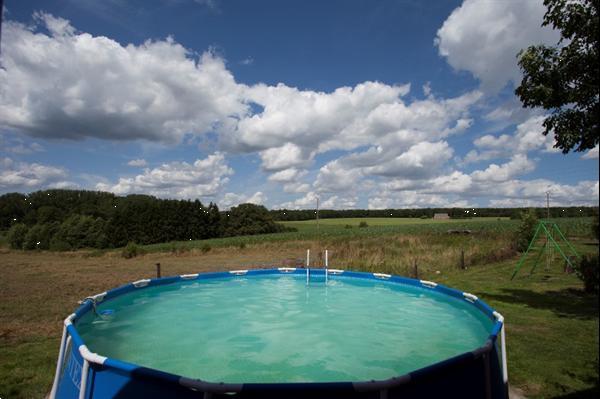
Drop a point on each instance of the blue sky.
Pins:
(361, 104)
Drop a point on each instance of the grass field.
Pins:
(333, 230)
(354, 222)
(552, 326)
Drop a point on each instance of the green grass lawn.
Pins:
(551, 324)
(551, 327)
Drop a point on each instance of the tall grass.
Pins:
(430, 252)
(503, 229)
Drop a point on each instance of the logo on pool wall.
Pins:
(74, 371)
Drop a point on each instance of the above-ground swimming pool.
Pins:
(282, 333)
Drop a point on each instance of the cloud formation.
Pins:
(138, 163)
(526, 138)
(483, 37)
(204, 178)
(59, 83)
(23, 176)
(230, 200)
(69, 84)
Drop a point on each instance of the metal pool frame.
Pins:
(80, 373)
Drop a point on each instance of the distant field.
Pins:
(335, 229)
(393, 221)
(354, 222)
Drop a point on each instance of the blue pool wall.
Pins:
(474, 374)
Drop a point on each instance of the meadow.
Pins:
(334, 230)
(552, 325)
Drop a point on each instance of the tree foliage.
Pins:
(249, 219)
(73, 219)
(64, 220)
(588, 271)
(564, 78)
(526, 230)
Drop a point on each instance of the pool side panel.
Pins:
(461, 374)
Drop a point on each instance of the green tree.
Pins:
(12, 209)
(16, 235)
(39, 236)
(248, 219)
(564, 78)
(526, 230)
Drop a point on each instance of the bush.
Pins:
(249, 219)
(596, 226)
(16, 235)
(363, 224)
(57, 244)
(347, 226)
(588, 271)
(205, 248)
(526, 230)
(38, 237)
(132, 250)
(177, 248)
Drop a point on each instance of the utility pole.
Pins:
(317, 214)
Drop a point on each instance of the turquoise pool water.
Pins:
(278, 329)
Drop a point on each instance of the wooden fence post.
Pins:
(416, 267)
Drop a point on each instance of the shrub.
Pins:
(38, 237)
(132, 250)
(363, 224)
(347, 226)
(526, 230)
(596, 226)
(205, 248)
(16, 235)
(248, 219)
(177, 248)
(58, 244)
(588, 271)
(96, 253)
(242, 245)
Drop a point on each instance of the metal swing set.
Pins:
(546, 228)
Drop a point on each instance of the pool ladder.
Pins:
(308, 266)
(94, 303)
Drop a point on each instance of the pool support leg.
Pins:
(59, 363)
(84, 376)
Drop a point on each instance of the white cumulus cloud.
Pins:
(519, 164)
(483, 37)
(230, 200)
(204, 178)
(70, 84)
(591, 154)
(138, 163)
(23, 176)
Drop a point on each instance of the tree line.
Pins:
(428, 213)
(73, 219)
